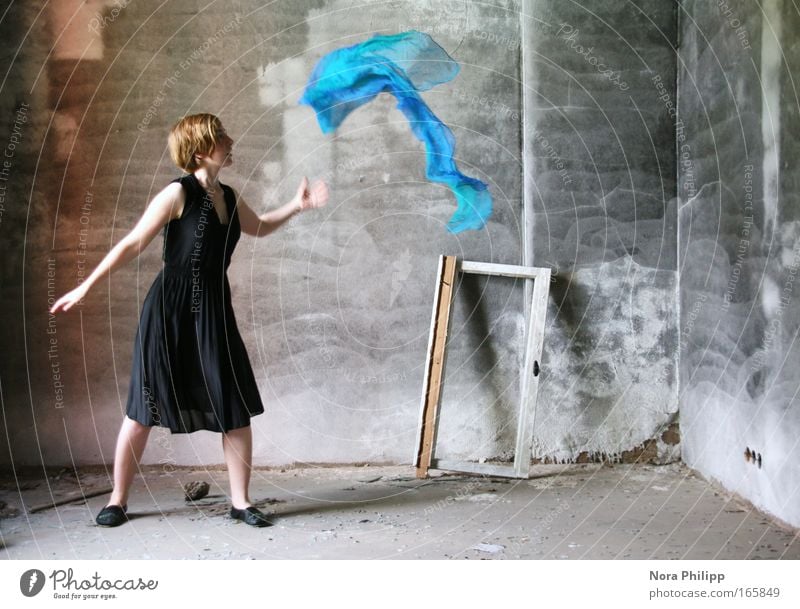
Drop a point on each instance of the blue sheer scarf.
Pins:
(401, 64)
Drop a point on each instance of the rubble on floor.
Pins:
(574, 511)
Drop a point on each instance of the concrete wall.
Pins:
(601, 178)
(335, 308)
(740, 248)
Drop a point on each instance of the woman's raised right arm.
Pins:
(165, 206)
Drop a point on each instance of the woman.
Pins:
(190, 367)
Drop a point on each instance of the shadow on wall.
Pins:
(609, 342)
(471, 293)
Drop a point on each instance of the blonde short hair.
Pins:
(195, 133)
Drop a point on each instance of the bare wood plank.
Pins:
(502, 270)
(533, 356)
(72, 498)
(469, 467)
(433, 390)
(426, 377)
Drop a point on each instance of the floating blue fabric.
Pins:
(401, 64)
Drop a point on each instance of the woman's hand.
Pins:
(163, 208)
(306, 197)
(69, 299)
(312, 197)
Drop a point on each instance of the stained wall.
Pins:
(739, 248)
(600, 133)
(335, 308)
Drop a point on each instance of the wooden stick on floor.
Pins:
(435, 364)
(71, 498)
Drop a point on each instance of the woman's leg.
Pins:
(237, 445)
(130, 446)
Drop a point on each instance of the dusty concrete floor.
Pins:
(563, 512)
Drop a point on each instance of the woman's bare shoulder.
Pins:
(173, 189)
(173, 196)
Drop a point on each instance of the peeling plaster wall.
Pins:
(600, 85)
(740, 248)
(335, 308)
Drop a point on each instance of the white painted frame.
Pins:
(534, 343)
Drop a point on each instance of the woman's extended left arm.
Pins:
(306, 197)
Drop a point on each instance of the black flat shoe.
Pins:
(252, 516)
(112, 516)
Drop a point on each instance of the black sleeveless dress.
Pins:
(190, 367)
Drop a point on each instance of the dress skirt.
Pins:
(190, 369)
